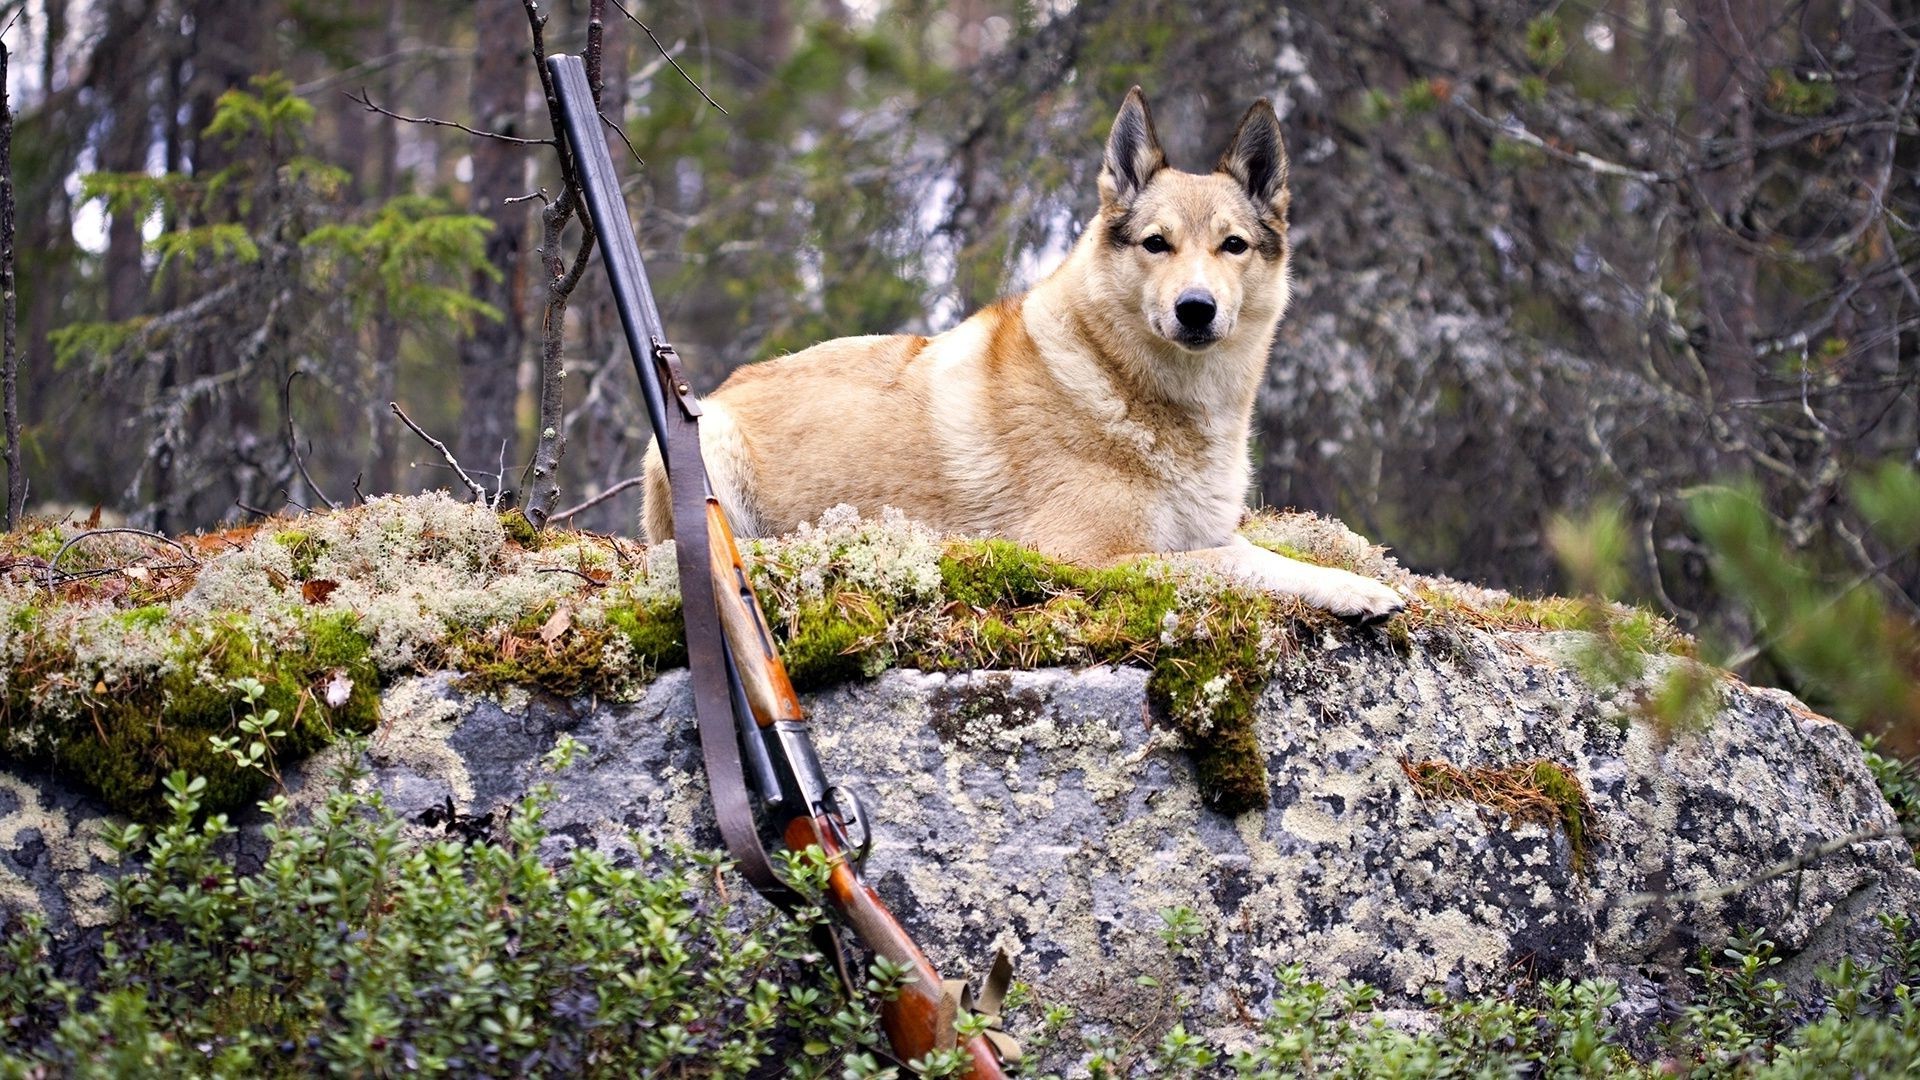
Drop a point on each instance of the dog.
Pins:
(1103, 415)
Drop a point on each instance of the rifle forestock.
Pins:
(764, 678)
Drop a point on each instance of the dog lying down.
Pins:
(1102, 415)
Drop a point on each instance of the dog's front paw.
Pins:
(1361, 599)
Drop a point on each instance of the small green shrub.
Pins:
(356, 952)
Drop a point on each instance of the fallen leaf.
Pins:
(316, 590)
(93, 519)
(138, 573)
(558, 624)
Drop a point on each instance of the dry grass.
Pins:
(1542, 792)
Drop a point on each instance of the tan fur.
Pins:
(1071, 419)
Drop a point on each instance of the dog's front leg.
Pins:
(1345, 594)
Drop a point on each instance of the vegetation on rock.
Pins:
(121, 664)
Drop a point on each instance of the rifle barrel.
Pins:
(632, 293)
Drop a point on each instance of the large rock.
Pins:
(1048, 812)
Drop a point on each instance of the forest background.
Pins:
(1614, 297)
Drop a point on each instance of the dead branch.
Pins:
(434, 121)
(10, 366)
(293, 441)
(598, 499)
(622, 132)
(429, 53)
(53, 564)
(581, 574)
(543, 487)
(479, 492)
(668, 57)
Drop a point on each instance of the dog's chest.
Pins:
(1186, 490)
(1198, 504)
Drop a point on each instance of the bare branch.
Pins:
(381, 63)
(1513, 129)
(293, 441)
(622, 132)
(668, 57)
(434, 121)
(10, 367)
(53, 564)
(479, 492)
(598, 499)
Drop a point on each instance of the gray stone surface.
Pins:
(1046, 811)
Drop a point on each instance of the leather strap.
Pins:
(706, 643)
(993, 994)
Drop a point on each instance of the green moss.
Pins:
(1576, 812)
(999, 573)
(123, 740)
(1031, 611)
(149, 616)
(304, 549)
(43, 542)
(834, 639)
(575, 662)
(520, 530)
(657, 634)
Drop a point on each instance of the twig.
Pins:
(435, 121)
(293, 440)
(291, 501)
(53, 564)
(598, 499)
(668, 57)
(512, 200)
(500, 476)
(622, 132)
(542, 488)
(251, 509)
(479, 492)
(583, 575)
(1515, 130)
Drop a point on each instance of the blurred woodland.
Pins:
(1655, 257)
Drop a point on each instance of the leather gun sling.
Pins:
(706, 643)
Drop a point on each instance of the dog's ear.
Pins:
(1133, 153)
(1257, 158)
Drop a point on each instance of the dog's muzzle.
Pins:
(1194, 313)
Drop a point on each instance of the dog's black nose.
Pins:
(1194, 309)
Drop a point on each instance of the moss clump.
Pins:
(1542, 792)
(579, 657)
(119, 741)
(303, 549)
(1211, 658)
(833, 639)
(520, 530)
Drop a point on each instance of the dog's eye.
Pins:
(1234, 245)
(1156, 244)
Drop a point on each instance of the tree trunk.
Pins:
(490, 357)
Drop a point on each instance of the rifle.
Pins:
(753, 733)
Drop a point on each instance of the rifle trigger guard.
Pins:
(852, 816)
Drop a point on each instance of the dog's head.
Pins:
(1201, 255)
